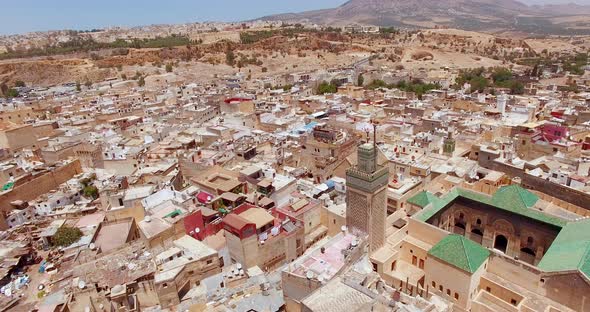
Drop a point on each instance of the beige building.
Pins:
(254, 237)
(182, 267)
(489, 253)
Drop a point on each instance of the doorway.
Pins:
(501, 243)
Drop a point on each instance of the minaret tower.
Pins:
(366, 194)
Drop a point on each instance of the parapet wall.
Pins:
(39, 185)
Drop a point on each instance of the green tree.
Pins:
(11, 93)
(141, 81)
(66, 235)
(479, 83)
(90, 191)
(500, 75)
(88, 84)
(19, 84)
(360, 80)
(326, 87)
(78, 86)
(169, 68)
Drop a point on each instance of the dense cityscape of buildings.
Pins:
(231, 195)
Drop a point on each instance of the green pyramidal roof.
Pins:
(422, 199)
(514, 195)
(570, 250)
(460, 252)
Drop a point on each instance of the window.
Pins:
(209, 261)
(488, 289)
(478, 221)
(334, 221)
(457, 296)
(440, 287)
(513, 301)
(393, 265)
(433, 284)
(164, 285)
(448, 292)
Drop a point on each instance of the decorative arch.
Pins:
(504, 226)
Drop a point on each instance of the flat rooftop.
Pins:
(113, 235)
(324, 265)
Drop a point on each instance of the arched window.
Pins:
(529, 240)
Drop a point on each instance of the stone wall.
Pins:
(39, 185)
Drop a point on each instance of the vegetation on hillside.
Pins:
(83, 44)
(498, 77)
(416, 86)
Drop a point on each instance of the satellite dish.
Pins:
(148, 219)
(81, 284)
(309, 274)
(197, 230)
(239, 266)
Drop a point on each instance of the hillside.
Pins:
(477, 15)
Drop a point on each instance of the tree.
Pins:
(230, 58)
(123, 76)
(90, 191)
(141, 81)
(501, 75)
(326, 87)
(360, 80)
(19, 84)
(11, 93)
(169, 68)
(66, 235)
(88, 84)
(78, 87)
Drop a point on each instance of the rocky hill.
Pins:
(478, 15)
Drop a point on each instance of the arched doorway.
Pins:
(529, 251)
(527, 255)
(501, 243)
(459, 228)
(476, 235)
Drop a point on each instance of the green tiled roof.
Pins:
(460, 252)
(422, 199)
(511, 198)
(570, 250)
(514, 195)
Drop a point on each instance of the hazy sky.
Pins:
(31, 15)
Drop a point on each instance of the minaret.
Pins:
(449, 144)
(366, 194)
